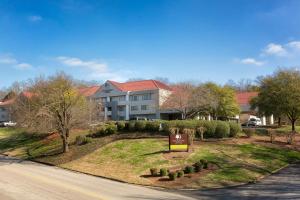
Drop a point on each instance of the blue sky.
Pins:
(121, 39)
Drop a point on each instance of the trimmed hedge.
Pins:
(235, 128)
(222, 129)
(212, 129)
(152, 126)
(131, 126)
(121, 125)
(140, 125)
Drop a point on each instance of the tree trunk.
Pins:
(293, 125)
(279, 121)
(65, 143)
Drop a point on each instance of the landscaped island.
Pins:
(129, 155)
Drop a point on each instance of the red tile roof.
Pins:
(243, 98)
(27, 94)
(140, 85)
(89, 91)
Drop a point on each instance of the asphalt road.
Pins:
(25, 180)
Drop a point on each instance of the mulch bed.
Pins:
(182, 181)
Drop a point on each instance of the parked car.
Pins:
(9, 124)
(254, 122)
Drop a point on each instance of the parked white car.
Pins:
(254, 122)
(9, 124)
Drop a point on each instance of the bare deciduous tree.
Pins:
(54, 105)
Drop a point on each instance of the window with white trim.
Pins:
(133, 108)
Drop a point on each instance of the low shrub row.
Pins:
(81, 140)
(104, 130)
(210, 129)
(197, 167)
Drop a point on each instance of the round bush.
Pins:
(180, 173)
(189, 169)
(210, 128)
(166, 126)
(204, 163)
(163, 172)
(235, 128)
(111, 129)
(152, 126)
(100, 131)
(222, 129)
(173, 176)
(198, 167)
(121, 125)
(131, 126)
(81, 140)
(154, 171)
(249, 131)
(140, 125)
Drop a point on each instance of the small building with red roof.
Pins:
(244, 99)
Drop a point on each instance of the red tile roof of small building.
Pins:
(89, 91)
(243, 98)
(27, 94)
(140, 85)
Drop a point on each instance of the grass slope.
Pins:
(127, 160)
(239, 160)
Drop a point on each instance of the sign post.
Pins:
(178, 142)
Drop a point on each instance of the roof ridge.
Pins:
(154, 81)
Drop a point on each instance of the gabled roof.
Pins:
(140, 85)
(243, 98)
(27, 94)
(89, 91)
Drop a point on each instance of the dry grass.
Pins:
(239, 161)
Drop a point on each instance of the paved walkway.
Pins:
(24, 180)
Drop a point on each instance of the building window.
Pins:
(144, 107)
(121, 108)
(134, 98)
(108, 108)
(146, 96)
(134, 108)
(122, 98)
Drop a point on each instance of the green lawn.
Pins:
(21, 144)
(127, 160)
(288, 129)
(239, 160)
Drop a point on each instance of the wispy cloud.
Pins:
(294, 45)
(7, 59)
(275, 49)
(282, 50)
(95, 68)
(10, 60)
(94, 65)
(35, 18)
(249, 61)
(23, 66)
